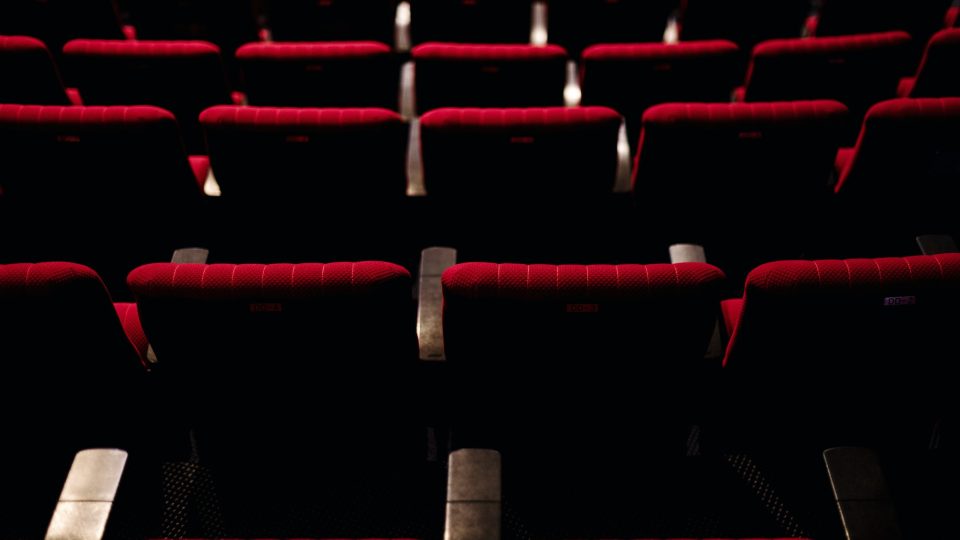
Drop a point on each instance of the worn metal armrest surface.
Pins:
(935, 244)
(861, 493)
(433, 261)
(680, 253)
(88, 494)
(190, 255)
(473, 495)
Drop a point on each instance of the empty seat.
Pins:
(577, 24)
(228, 23)
(331, 20)
(31, 74)
(935, 77)
(570, 354)
(332, 74)
(56, 22)
(451, 75)
(871, 335)
(855, 70)
(497, 314)
(742, 178)
(545, 176)
(745, 22)
(79, 182)
(289, 165)
(551, 151)
(64, 346)
(919, 18)
(258, 353)
(632, 77)
(470, 21)
(903, 176)
(184, 77)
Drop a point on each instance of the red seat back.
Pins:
(452, 75)
(184, 77)
(31, 74)
(330, 74)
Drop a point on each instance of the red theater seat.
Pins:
(569, 354)
(498, 314)
(903, 176)
(332, 74)
(632, 77)
(710, 173)
(184, 77)
(451, 75)
(315, 156)
(745, 22)
(56, 22)
(258, 352)
(935, 76)
(63, 346)
(287, 166)
(871, 335)
(470, 21)
(92, 178)
(331, 20)
(228, 23)
(495, 153)
(31, 74)
(919, 18)
(858, 71)
(577, 24)
(539, 180)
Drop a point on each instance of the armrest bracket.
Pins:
(473, 495)
(433, 261)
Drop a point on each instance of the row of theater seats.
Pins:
(287, 399)
(187, 77)
(571, 23)
(496, 180)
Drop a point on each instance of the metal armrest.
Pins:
(861, 493)
(190, 255)
(473, 495)
(433, 261)
(88, 494)
(934, 244)
(680, 253)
